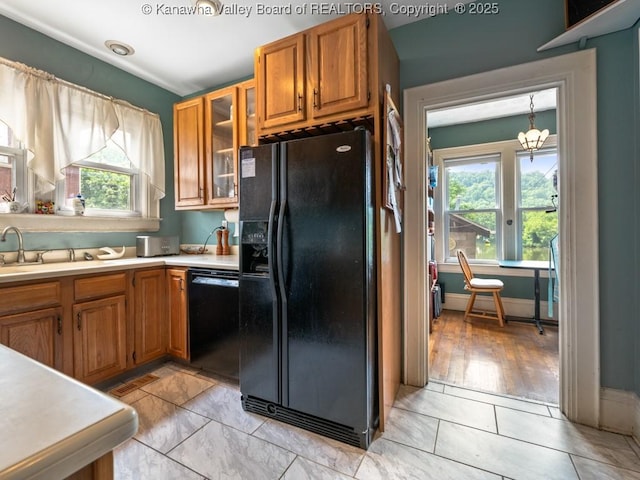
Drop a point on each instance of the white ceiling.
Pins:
(495, 108)
(179, 52)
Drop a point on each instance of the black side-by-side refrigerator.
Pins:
(308, 284)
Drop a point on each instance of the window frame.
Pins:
(454, 161)
(144, 216)
(508, 244)
(135, 188)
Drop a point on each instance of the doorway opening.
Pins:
(495, 201)
(574, 75)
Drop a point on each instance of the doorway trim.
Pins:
(574, 75)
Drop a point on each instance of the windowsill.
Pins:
(31, 222)
(489, 269)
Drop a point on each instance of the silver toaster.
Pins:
(147, 246)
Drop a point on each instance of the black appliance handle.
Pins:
(220, 282)
(272, 256)
(280, 234)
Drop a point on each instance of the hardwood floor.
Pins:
(480, 355)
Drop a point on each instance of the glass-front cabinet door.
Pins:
(222, 145)
(247, 96)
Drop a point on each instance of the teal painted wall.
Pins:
(486, 131)
(25, 45)
(22, 44)
(451, 46)
(432, 50)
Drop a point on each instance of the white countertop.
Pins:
(51, 425)
(15, 272)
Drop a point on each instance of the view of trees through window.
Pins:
(537, 192)
(104, 180)
(474, 206)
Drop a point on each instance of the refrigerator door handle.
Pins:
(280, 234)
(270, 252)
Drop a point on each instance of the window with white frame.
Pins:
(74, 141)
(495, 203)
(472, 209)
(12, 157)
(106, 180)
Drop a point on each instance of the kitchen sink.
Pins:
(14, 268)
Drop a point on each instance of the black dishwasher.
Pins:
(214, 342)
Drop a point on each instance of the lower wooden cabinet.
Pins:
(177, 311)
(31, 321)
(99, 339)
(36, 334)
(95, 327)
(149, 315)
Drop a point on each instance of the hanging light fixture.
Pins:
(534, 138)
(211, 8)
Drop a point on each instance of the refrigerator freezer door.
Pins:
(327, 277)
(259, 303)
(257, 181)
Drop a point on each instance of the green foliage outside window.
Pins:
(472, 187)
(105, 190)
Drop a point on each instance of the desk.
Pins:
(536, 266)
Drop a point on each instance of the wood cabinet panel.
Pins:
(29, 297)
(178, 344)
(37, 335)
(189, 172)
(149, 315)
(99, 338)
(331, 82)
(208, 131)
(338, 66)
(99, 286)
(280, 82)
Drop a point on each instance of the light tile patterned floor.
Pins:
(193, 427)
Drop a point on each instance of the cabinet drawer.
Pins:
(100, 286)
(29, 297)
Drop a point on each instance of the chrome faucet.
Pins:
(20, 241)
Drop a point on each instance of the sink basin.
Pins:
(16, 268)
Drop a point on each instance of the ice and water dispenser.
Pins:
(255, 251)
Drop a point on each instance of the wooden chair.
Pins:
(481, 285)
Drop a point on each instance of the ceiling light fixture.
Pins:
(534, 138)
(211, 8)
(119, 48)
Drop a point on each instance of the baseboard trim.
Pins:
(620, 412)
(517, 307)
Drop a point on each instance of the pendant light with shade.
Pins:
(534, 138)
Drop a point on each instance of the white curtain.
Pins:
(139, 134)
(60, 123)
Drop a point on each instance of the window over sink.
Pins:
(60, 141)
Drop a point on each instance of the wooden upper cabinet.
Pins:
(221, 140)
(280, 80)
(188, 127)
(338, 66)
(208, 131)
